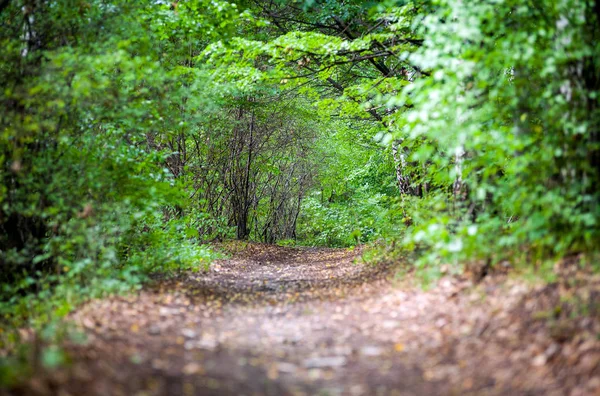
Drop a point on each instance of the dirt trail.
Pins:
(279, 321)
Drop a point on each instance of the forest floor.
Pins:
(302, 321)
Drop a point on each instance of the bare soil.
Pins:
(301, 321)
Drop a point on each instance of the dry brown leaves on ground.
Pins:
(292, 321)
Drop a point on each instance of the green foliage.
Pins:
(88, 204)
(286, 242)
(491, 109)
(364, 218)
(512, 108)
(355, 200)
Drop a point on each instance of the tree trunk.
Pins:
(400, 164)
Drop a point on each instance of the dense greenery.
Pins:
(490, 109)
(132, 133)
(90, 106)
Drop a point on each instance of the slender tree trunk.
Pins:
(242, 231)
(400, 164)
(458, 186)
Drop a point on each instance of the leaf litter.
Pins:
(301, 321)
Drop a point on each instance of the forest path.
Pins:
(300, 321)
